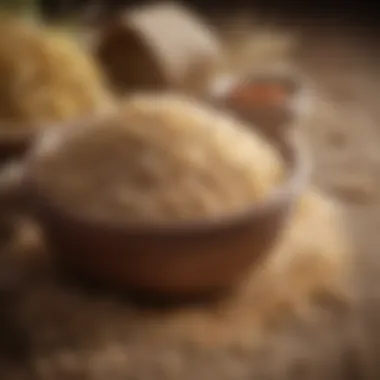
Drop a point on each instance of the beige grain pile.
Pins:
(45, 76)
(159, 158)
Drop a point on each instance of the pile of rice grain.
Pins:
(45, 76)
(159, 158)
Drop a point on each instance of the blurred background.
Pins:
(362, 13)
(353, 12)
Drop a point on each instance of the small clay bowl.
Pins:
(267, 99)
(172, 260)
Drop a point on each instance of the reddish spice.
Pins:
(259, 94)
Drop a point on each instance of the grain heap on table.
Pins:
(159, 158)
(45, 76)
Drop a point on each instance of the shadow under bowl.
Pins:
(172, 260)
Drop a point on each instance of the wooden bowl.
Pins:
(172, 260)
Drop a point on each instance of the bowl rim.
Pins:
(18, 131)
(284, 195)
